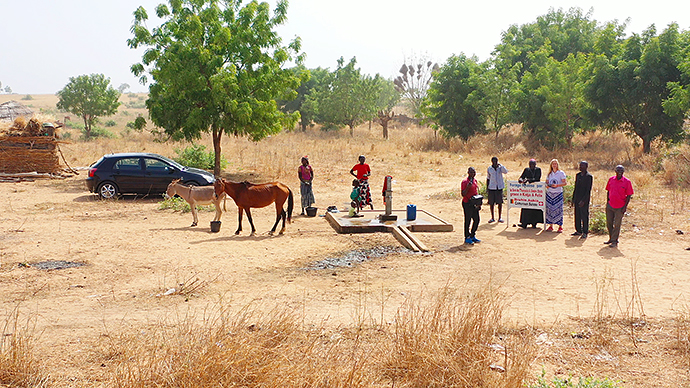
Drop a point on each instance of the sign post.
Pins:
(526, 196)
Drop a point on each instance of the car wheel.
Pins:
(191, 183)
(107, 190)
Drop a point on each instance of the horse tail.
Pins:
(291, 205)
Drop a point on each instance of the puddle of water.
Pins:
(57, 264)
(351, 258)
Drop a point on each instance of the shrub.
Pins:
(597, 222)
(136, 104)
(27, 97)
(570, 382)
(180, 205)
(110, 123)
(196, 156)
(97, 132)
(74, 124)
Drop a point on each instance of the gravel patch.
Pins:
(57, 264)
(351, 258)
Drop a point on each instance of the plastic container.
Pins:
(411, 212)
(311, 211)
(215, 226)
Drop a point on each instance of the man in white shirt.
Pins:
(495, 186)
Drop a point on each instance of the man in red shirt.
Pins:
(618, 193)
(468, 189)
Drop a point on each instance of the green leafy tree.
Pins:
(496, 84)
(448, 105)
(310, 81)
(562, 32)
(627, 91)
(346, 97)
(90, 97)
(678, 103)
(562, 88)
(218, 67)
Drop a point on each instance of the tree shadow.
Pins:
(235, 237)
(123, 198)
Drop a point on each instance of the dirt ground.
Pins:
(133, 253)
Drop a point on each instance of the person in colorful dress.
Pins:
(361, 171)
(306, 177)
(555, 181)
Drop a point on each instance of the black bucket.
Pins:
(215, 226)
(311, 211)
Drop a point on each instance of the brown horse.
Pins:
(247, 195)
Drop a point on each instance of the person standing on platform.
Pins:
(361, 171)
(531, 174)
(581, 196)
(618, 193)
(555, 182)
(469, 188)
(495, 186)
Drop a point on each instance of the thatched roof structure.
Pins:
(10, 110)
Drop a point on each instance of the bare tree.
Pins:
(414, 80)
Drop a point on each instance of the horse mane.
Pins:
(248, 184)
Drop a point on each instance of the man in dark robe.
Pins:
(531, 216)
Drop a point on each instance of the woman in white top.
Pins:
(554, 196)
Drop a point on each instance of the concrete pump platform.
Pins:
(369, 222)
(401, 228)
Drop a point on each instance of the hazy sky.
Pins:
(44, 42)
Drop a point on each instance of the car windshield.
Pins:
(172, 162)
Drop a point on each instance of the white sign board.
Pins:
(526, 196)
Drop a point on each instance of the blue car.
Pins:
(140, 173)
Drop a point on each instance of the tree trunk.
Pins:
(217, 133)
(646, 144)
(352, 130)
(87, 127)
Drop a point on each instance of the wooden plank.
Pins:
(403, 239)
(415, 240)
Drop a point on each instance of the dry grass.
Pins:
(453, 342)
(447, 342)
(19, 366)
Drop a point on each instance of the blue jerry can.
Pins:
(411, 212)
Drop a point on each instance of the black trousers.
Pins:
(471, 217)
(582, 219)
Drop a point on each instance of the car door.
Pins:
(128, 174)
(158, 175)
